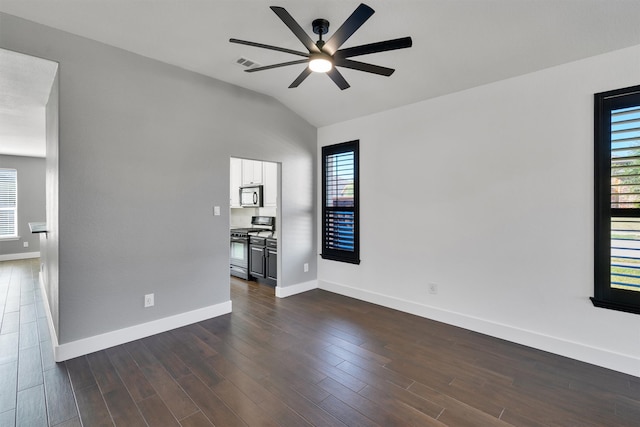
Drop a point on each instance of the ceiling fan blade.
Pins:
(295, 28)
(282, 64)
(362, 66)
(303, 75)
(266, 46)
(338, 79)
(350, 26)
(366, 49)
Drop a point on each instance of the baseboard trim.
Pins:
(283, 292)
(84, 346)
(22, 255)
(596, 356)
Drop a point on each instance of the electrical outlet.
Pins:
(216, 210)
(433, 288)
(148, 300)
(306, 267)
(25, 244)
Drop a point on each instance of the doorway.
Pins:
(254, 222)
(29, 135)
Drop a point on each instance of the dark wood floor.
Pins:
(34, 390)
(322, 359)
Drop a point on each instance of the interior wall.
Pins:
(143, 157)
(49, 242)
(488, 194)
(31, 202)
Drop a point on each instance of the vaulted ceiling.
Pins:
(457, 44)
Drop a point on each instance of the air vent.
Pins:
(247, 63)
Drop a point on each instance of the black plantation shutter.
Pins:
(340, 228)
(617, 200)
(625, 158)
(625, 194)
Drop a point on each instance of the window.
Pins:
(617, 200)
(8, 203)
(340, 217)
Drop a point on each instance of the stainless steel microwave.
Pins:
(251, 196)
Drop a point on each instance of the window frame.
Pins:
(604, 295)
(14, 209)
(352, 257)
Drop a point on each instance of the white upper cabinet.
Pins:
(251, 172)
(270, 182)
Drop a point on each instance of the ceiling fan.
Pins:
(324, 57)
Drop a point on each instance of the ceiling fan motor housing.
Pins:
(320, 26)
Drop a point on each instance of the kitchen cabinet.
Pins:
(251, 172)
(235, 182)
(270, 183)
(257, 250)
(263, 260)
(271, 264)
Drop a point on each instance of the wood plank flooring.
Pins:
(320, 359)
(34, 390)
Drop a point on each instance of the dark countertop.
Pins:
(266, 234)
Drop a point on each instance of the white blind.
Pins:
(8, 202)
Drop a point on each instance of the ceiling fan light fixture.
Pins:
(320, 63)
(327, 56)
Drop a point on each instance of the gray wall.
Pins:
(143, 156)
(31, 201)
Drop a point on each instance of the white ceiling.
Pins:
(457, 44)
(25, 84)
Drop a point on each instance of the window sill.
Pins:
(339, 258)
(615, 306)
(10, 238)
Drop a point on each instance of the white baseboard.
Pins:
(100, 342)
(22, 255)
(596, 356)
(84, 346)
(283, 292)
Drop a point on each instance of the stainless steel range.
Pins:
(239, 249)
